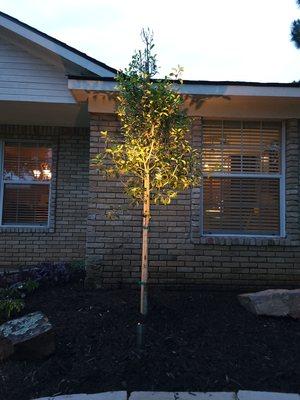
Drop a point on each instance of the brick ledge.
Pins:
(244, 241)
(16, 229)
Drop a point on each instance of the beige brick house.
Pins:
(241, 227)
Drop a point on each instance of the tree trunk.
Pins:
(145, 246)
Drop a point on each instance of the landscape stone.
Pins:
(32, 336)
(6, 348)
(273, 302)
(249, 395)
(122, 395)
(182, 396)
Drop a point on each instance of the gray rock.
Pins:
(6, 348)
(32, 336)
(273, 302)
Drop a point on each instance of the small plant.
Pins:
(51, 273)
(77, 265)
(19, 290)
(16, 285)
(77, 269)
(7, 279)
(11, 298)
(8, 307)
(11, 292)
(27, 280)
(30, 286)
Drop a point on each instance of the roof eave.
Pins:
(56, 46)
(199, 88)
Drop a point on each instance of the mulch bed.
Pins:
(195, 340)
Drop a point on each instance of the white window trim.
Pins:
(2, 183)
(280, 177)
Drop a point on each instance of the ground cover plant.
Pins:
(196, 340)
(16, 286)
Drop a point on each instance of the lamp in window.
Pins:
(265, 161)
(47, 174)
(265, 158)
(37, 173)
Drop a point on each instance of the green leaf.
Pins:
(152, 139)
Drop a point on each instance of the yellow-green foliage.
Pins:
(153, 133)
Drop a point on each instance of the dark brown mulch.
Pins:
(195, 340)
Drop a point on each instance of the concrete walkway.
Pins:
(240, 395)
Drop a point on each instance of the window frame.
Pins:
(280, 176)
(3, 182)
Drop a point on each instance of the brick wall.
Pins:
(178, 254)
(65, 238)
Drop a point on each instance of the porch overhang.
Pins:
(200, 88)
(43, 114)
(207, 99)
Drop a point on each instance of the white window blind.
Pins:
(26, 179)
(241, 161)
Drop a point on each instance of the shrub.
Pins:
(16, 285)
(46, 273)
(11, 292)
(51, 273)
(77, 269)
(11, 298)
(9, 307)
(30, 286)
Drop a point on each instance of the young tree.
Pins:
(295, 30)
(152, 157)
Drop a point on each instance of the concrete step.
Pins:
(249, 395)
(84, 396)
(240, 395)
(182, 396)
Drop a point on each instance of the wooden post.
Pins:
(145, 245)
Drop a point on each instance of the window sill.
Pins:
(245, 241)
(26, 229)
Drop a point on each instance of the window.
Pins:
(25, 183)
(243, 178)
